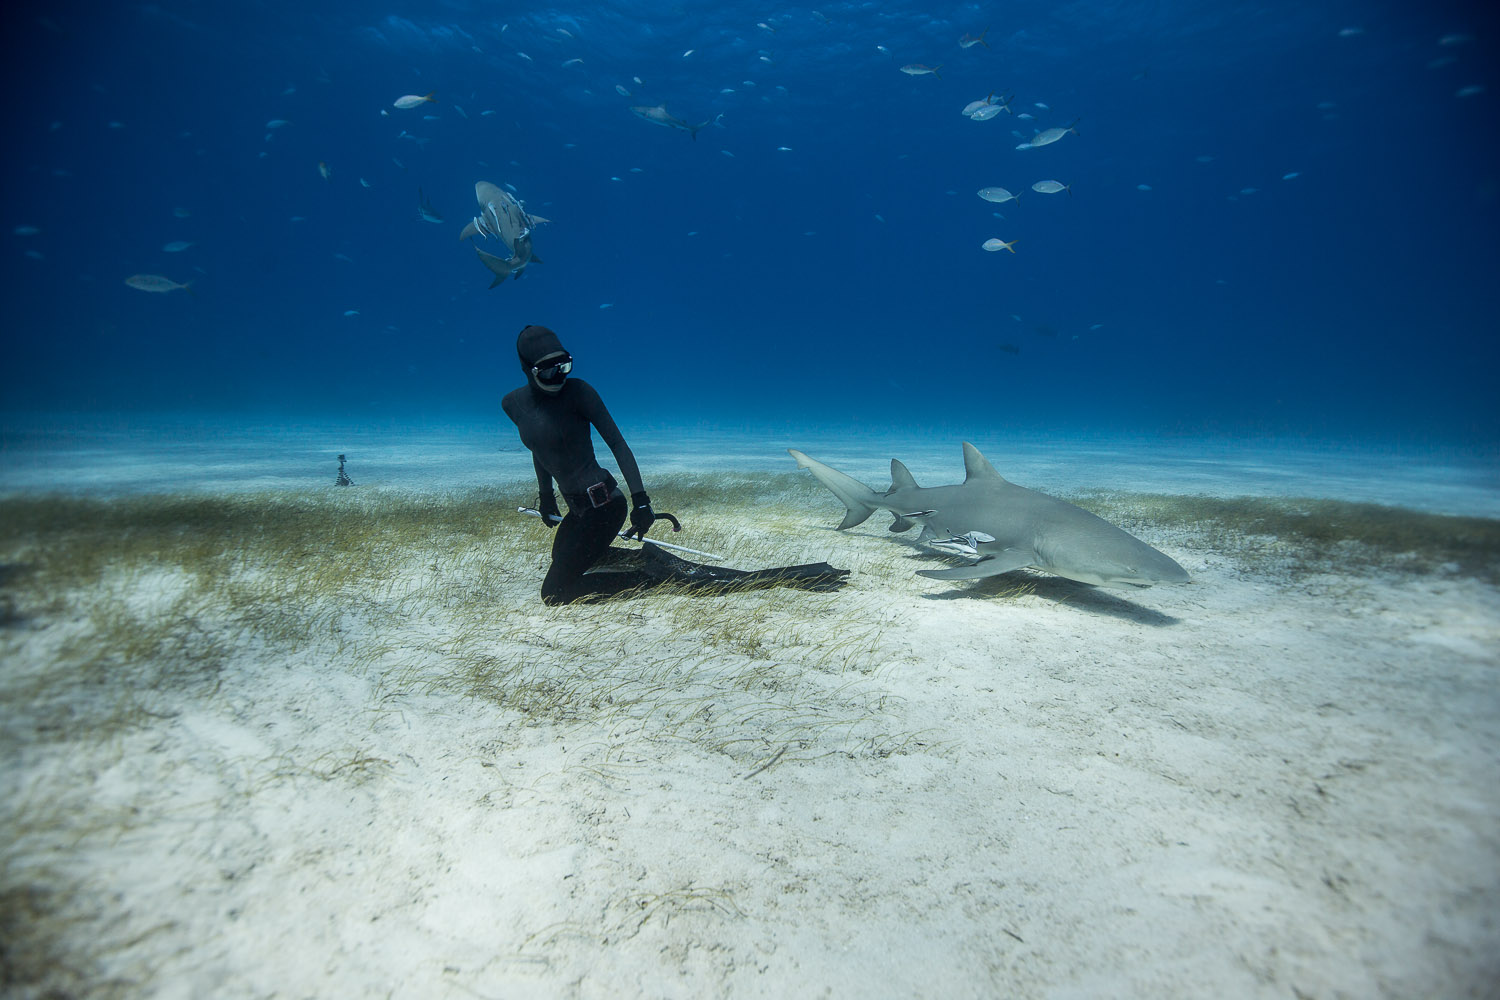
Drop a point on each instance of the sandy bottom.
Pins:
(312, 745)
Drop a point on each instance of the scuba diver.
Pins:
(553, 414)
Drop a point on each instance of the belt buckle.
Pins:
(598, 494)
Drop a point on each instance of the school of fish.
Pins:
(503, 218)
(989, 107)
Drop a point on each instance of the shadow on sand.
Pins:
(1083, 596)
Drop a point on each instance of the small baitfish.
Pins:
(1051, 135)
(974, 106)
(998, 195)
(412, 100)
(1051, 187)
(992, 244)
(917, 69)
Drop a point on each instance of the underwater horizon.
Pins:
(1272, 219)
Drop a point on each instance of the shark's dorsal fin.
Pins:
(977, 468)
(901, 477)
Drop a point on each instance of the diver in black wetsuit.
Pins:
(553, 414)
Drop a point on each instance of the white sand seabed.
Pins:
(1260, 784)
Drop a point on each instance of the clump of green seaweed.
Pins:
(1313, 535)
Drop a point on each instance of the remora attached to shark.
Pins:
(1006, 526)
(502, 217)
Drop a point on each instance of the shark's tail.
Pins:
(860, 500)
(694, 129)
(503, 268)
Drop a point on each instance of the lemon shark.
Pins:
(1005, 526)
(502, 217)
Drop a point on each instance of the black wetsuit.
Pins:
(556, 429)
(554, 419)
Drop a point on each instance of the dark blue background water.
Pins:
(1357, 299)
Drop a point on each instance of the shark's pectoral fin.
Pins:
(900, 524)
(1001, 562)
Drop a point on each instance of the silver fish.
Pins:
(917, 69)
(974, 106)
(1051, 135)
(998, 195)
(1051, 187)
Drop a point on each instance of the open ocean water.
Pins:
(1274, 222)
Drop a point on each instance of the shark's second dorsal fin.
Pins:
(901, 477)
(978, 468)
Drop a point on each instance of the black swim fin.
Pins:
(661, 564)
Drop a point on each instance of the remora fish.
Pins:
(502, 217)
(1007, 527)
(659, 116)
(425, 211)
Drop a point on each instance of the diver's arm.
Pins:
(543, 478)
(598, 415)
(546, 500)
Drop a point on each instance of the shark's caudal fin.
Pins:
(499, 265)
(860, 500)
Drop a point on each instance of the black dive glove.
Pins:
(641, 515)
(547, 504)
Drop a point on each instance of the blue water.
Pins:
(1282, 218)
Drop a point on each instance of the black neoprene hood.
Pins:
(533, 344)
